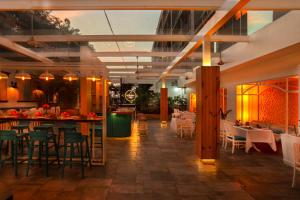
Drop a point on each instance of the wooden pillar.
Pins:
(21, 88)
(207, 112)
(85, 101)
(104, 120)
(3, 89)
(98, 96)
(164, 106)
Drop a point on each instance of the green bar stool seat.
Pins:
(70, 139)
(43, 138)
(14, 138)
(66, 127)
(45, 127)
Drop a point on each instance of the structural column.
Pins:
(164, 104)
(85, 101)
(207, 108)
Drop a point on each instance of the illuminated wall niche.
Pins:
(268, 102)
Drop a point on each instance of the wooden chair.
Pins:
(296, 161)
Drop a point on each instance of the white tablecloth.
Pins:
(257, 135)
(287, 142)
(173, 124)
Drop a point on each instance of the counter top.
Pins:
(51, 119)
(129, 112)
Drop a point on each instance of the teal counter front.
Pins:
(119, 124)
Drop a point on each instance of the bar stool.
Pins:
(45, 127)
(13, 137)
(71, 138)
(44, 138)
(66, 127)
(20, 128)
(98, 134)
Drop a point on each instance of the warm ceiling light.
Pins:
(93, 78)
(3, 76)
(23, 76)
(46, 76)
(70, 77)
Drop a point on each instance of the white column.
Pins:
(206, 51)
(163, 83)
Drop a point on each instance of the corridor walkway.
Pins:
(160, 166)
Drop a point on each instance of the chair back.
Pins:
(25, 123)
(40, 135)
(230, 130)
(297, 154)
(8, 135)
(72, 137)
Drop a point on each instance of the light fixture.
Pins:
(93, 78)
(46, 76)
(23, 76)
(70, 77)
(3, 76)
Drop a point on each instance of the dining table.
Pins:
(256, 135)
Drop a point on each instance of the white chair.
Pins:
(233, 137)
(186, 126)
(296, 161)
(222, 133)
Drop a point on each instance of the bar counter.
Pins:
(119, 123)
(97, 157)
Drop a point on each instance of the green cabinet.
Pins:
(119, 125)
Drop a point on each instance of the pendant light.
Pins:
(23, 76)
(70, 77)
(3, 76)
(46, 76)
(93, 78)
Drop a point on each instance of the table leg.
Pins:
(93, 139)
(254, 146)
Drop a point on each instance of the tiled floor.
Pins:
(160, 166)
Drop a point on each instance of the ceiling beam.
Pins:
(273, 5)
(124, 38)
(221, 16)
(153, 64)
(15, 5)
(100, 38)
(142, 74)
(22, 50)
(12, 5)
(65, 53)
(88, 64)
(228, 38)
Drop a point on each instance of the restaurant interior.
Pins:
(147, 99)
